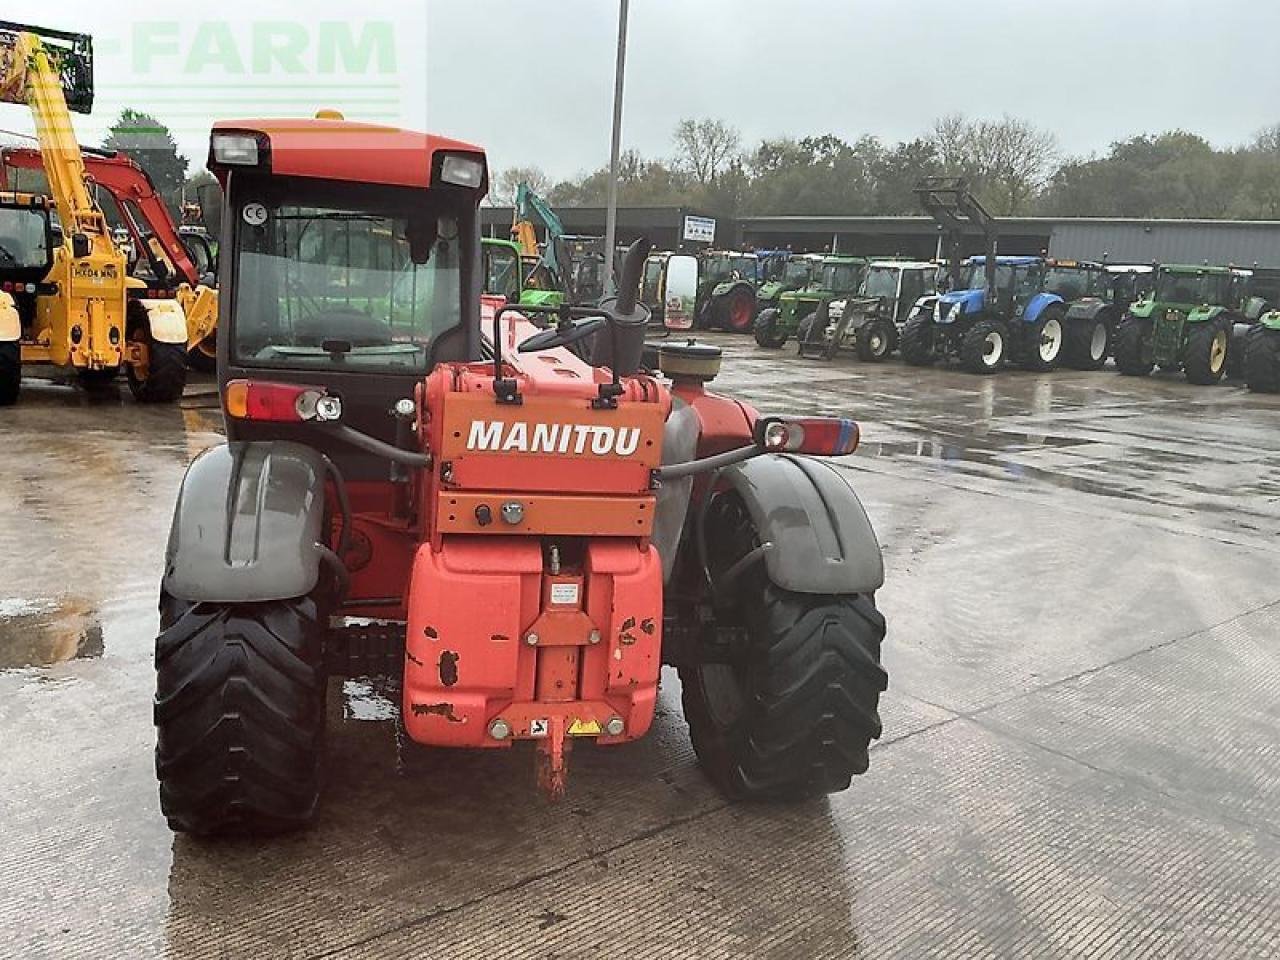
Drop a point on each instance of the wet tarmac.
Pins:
(1082, 733)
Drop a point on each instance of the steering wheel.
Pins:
(5, 252)
(563, 335)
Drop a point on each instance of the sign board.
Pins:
(700, 229)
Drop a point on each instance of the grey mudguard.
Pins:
(679, 445)
(248, 519)
(1086, 309)
(822, 541)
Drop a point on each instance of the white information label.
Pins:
(564, 593)
(700, 229)
(539, 728)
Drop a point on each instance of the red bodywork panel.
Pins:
(125, 180)
(347, 150)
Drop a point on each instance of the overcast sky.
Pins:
(531, 80)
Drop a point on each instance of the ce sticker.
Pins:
(255, 214)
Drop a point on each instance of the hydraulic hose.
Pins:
(373, 445)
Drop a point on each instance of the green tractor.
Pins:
(1262, 354)
(1187, 322)
(503, 271)
(836, 278)
(796, 273)
(727, 290)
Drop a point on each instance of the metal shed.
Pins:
(1243, 243)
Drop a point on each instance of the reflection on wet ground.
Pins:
(42, 633)
(1079, 753)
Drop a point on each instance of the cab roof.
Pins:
(339, 149)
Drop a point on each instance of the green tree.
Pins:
(148, 141)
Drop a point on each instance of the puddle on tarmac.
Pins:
(366, 698)
(40, 633)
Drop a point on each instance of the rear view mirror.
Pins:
(421, 233)
(680, 291)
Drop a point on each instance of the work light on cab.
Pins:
(235, 149)
(462, 171)
(819, 436)
(280, 402)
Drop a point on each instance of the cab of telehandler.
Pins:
(331, 273)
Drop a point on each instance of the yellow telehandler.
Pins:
(83, 313)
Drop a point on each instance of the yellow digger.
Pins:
(65, 295)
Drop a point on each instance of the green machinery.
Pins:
(1262, 354)
(727, 290)
(798, 310)
(1187, 322)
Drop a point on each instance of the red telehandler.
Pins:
(421, 483)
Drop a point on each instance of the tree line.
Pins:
(1015, 168)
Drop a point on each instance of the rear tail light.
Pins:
(820, 436)
(280, 402)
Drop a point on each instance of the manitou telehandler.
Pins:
(420, 483)
(86, 315)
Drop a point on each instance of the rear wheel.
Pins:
(917, 341)
(985, 347)
(794, 712)
(1087, 344)
(736, 312)
(240, 715)
(1207, 347)
(874, 340)
(1133, 347)
(10, 372)
(1262, 360)
(766, 330)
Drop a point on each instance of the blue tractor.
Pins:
(1001, 314)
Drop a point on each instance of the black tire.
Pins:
(10, 372)
(1041, 343)
(165, 375)
(916, 345)
(1087, 343)
(985, 347)
(1133, 347)
(804, 331)
(239, 712)
(1208, 345)
(1262, 360)
(202, 357)
(874, 340)
(806, 685)
(737, 310)
(1236, 352)
(766, 330)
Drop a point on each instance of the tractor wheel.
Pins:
(240, 715)
(875, 340)
(163, 377)
(10, 372)
(804, 331)
(737, 310)
(1207, 347)
(916, 346)
(1262, 360)
(985, 347)
(203, 357)
(766, 330)
(794, 711)
(1087, 344)
(1236, 351)
(1042, 341)
(1133, 347)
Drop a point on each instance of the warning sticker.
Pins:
(539, 728)
(584, 728)
(564, 593)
